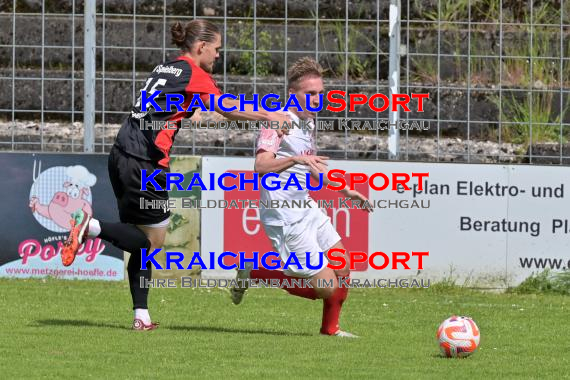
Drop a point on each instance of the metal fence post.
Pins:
(89, 76)
(394, 78)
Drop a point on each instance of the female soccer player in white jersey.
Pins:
(135, 149)
(300, 229)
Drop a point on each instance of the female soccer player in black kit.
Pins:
(136, 149)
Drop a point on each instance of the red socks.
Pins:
(266, 274)
(332, 307)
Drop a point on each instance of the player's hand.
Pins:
(356, 196)
(317, 163)
(284, 122)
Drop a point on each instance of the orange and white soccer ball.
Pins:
(458, 337)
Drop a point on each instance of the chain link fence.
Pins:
(497, 72)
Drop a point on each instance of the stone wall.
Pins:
(61, 92)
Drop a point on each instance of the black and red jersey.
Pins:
(180, 76)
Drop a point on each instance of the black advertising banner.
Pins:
(38, 194)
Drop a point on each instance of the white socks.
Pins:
(94, 228)
(143, 315)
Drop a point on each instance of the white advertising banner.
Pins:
(483, 225)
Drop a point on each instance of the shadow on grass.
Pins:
(78, 323)
(87, 323)
(235, 331)
(443, 357)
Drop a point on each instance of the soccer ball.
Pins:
(458, 337)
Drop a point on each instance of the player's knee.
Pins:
(157, 242)
(326, 292)
(327, 288)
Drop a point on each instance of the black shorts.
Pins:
(125, 174)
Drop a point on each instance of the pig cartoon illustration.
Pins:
(72, 192)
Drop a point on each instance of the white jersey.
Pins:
(299, 142)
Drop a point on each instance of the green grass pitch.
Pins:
(80, 329)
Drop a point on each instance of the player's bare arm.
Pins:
(317, 168)
(248, 114)
(266, 162)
